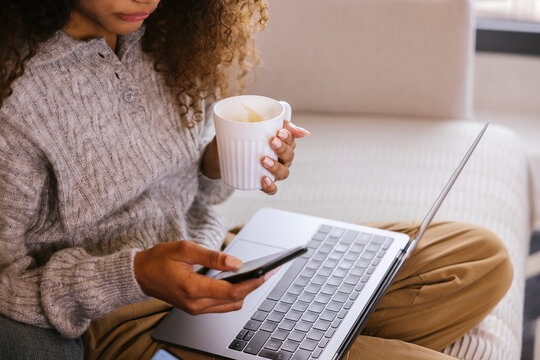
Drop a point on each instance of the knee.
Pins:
(493, 260)
(22, 341)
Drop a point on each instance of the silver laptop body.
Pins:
(316, 304)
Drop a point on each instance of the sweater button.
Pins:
(130, 96)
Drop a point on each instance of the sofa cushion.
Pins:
(366, 169)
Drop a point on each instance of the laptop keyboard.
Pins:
(306, 307)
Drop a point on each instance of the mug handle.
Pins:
(288, 110)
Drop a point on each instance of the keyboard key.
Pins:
(273, 344)
(356, 249)
(319, 236)
(280, 334)
(354, 295)
(241, 334)
(288, 299)
(365, 278)
(301, 355)
(349, 237)
(334, 306)
(357, 271)
(351, 257)
(268, 326)
(316, 307)
(325, 229)
(340, 297)
(313, 288)
(249, 335)
(330, 263)
(325, 248)
(300, 306)
(322, 325)
(346, 264)
(295, 289)
(363, 238)
(340, 273)
(359, 287)
(259, 315)
(257, 342)
(328, 315)
(336, 323)
(342, 314)
(303, 326)
(317, 353)
(331, 241)
(275, 355)
(237, 345)
(307, 272)
(335, 255)
(286, 325)
(329, 289)
(297, 336)
(314, 264)
(308, 344)
(252, 325)
(329, 334)
(306, 297)
(370, 270)
(301, 281)
(381, 253)
(267, 305)
(320, 256)
(373, 247)
(341, 248)
(324, 271)
(378, 239)
(337, 232)
(387, 243)
(376, 261)
(290, 345)
(310, 317)
(348, 305)
(352, 280)
(276, 316)
(315, 334)
(286, 279)
(325, 340)
(334, 281)
(282, 307)
(322, 298)
(346, 288)
(293, 315)
(308, 254)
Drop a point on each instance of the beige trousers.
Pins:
(454, 278)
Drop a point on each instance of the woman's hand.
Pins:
(283, 145)
(166, 272)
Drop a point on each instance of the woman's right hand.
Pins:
(166, 272)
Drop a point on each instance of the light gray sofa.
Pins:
(385, 88)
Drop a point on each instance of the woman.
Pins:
(109, 168)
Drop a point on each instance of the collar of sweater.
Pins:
(61, 45)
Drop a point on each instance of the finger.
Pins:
(285, 152)
(189, 252)
(280, 171)
(285, 136)
(296, 131)
(200, 287)
(268, 186)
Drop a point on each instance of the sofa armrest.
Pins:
(388, 57)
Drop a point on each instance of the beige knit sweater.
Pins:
(94, 166)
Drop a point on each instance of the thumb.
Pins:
(296, 131)
(195, 254)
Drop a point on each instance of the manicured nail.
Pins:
(276, 143)
(268, 162)
(267, 181)
(233, 262)
(304, 130)
(283, 134)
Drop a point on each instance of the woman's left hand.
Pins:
(283, 145)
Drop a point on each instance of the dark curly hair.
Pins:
(199, 45)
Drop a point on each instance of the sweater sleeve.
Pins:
(71, 287)
(211, 191)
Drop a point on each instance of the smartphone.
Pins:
(164, 355)
(258, 267)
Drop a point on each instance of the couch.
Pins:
(385, 88)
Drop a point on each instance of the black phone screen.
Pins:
(258, 267)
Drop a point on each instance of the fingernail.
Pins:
(276, 143)
(268, 162)
(283, 135)
(267, 181)
(233, 262)
(304, 130)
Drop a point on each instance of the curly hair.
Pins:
(201, 46)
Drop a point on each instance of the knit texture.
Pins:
(95, 165)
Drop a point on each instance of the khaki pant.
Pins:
(454, 278)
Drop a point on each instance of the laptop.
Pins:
(315, 305)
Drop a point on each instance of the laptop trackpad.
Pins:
(248, 250)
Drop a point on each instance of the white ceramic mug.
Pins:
(242, 143)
